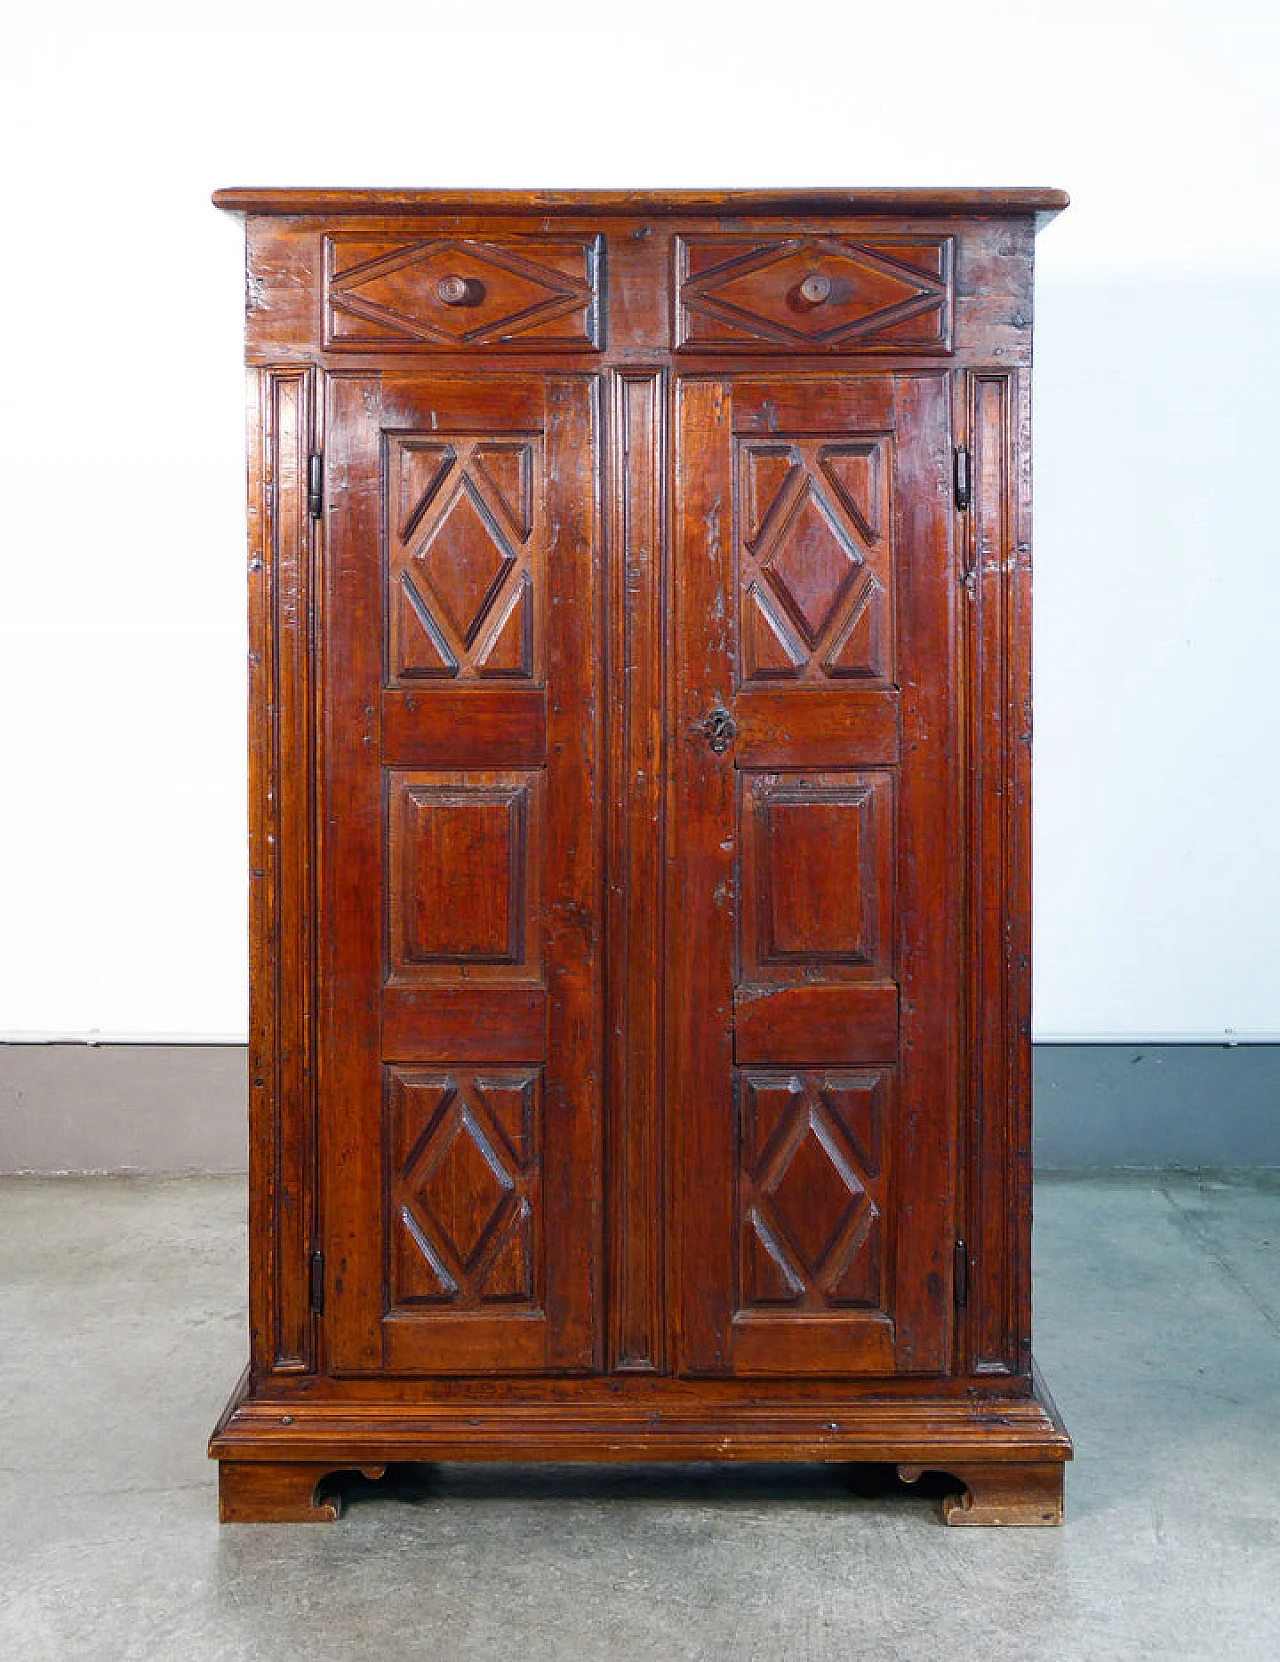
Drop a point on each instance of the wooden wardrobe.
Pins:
(640, 725)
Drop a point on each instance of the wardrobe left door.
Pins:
(460, 873)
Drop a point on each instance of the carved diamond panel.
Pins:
(810, 563)
(464, 550)
(464, 1188)
(812, 1188)
(881, 294)
(458, 292)
(463, 1174)
(814, 560)
(464, 561)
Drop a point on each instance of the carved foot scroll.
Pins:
(1001, 1492)
(268, 1491)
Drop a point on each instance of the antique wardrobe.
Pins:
(640, 731)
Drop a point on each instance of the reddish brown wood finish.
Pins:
(279, 1491)
(618, 1093)
(636, 1123)
(821, 553)
(477, 882)
(645, 204)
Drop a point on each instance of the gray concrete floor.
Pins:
(1158, 1329)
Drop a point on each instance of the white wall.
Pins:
(121, 640)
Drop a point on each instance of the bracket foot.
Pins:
(272, 1491)
(1010, 1492)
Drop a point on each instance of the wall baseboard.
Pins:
(123, 1108)
(1193, 1106)
(162, 1108)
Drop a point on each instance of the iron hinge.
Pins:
(963, 482)
(315, 485)
(317, 1283)
(960, 1280)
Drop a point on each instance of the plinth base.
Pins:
(279, 1442)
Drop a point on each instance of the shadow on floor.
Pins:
(417, 1483)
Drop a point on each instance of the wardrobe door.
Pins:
(460, 877)
(816, 880)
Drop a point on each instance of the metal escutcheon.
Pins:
(720, 727)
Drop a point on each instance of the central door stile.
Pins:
(636, 467)
(701, 889)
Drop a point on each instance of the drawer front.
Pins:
(453, 293)
(814, 293)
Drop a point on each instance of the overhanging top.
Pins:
(940, 200)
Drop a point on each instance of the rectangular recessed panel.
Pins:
(463, 873)
(798, 917)
(461, 866)
(817, 876)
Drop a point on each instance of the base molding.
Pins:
(276, 1447)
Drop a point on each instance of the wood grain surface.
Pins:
(639, 783)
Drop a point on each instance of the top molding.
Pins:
(1041, 202)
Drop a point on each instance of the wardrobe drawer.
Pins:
(814, 293)
(453, 293)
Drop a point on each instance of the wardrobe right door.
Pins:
(816, 874)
